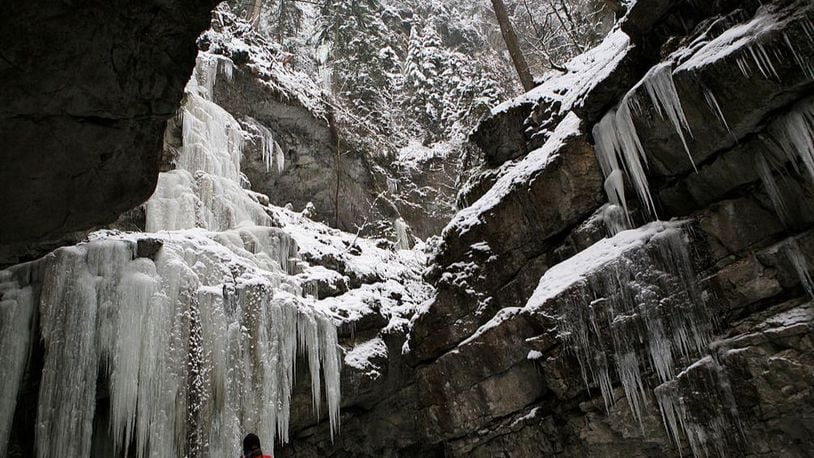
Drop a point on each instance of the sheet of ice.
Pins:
(16, 323)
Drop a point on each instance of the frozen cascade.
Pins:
(16, 314)
(402, 238)
(646, 311)
(186, 341)
(204, 190)
(197, 343)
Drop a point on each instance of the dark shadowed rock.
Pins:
(85, 99)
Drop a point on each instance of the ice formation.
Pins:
(618, 147)
(204, 190)
(272, 152)
(791, 139)
(794, 135)
(16, 323)
(197, 350)
(198, 342)
(700, 404)
(627, 304)
(766, 175)
(798, 261)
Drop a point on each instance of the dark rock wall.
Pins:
(86, 92)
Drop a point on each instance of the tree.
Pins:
(510, 38)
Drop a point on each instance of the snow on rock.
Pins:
(517, 176)
(584, 73)
(748, 35)
(361, 355)
(631, 295)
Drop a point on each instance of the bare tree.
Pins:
(510, 38)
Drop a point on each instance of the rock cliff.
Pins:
(85, 98)
(631, 274)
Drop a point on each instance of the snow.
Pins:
(577, 268)
(360, 356)
(585, 72)
(518, 176)
(416, 153)
(534, 355)
(747, 36)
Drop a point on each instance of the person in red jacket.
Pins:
(251, 447)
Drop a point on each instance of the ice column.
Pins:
(16, 322)
(199, 345)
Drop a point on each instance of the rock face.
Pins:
(549, 337)
(86, 96)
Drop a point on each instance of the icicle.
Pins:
(794, 133)
(798, 260)
(762, 60)
(616, 137)
(205, 75)
(271, 150)
(717, 425)
(648, 299)
(769, 183)
(716, 108)
(662, 90)
(392, 185)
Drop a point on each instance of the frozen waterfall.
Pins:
(194, 341)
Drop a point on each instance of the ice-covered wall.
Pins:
(196, 339)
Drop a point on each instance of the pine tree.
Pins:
(360, 53)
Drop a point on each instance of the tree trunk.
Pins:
(510, 38)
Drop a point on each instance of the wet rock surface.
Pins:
(85, 99)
